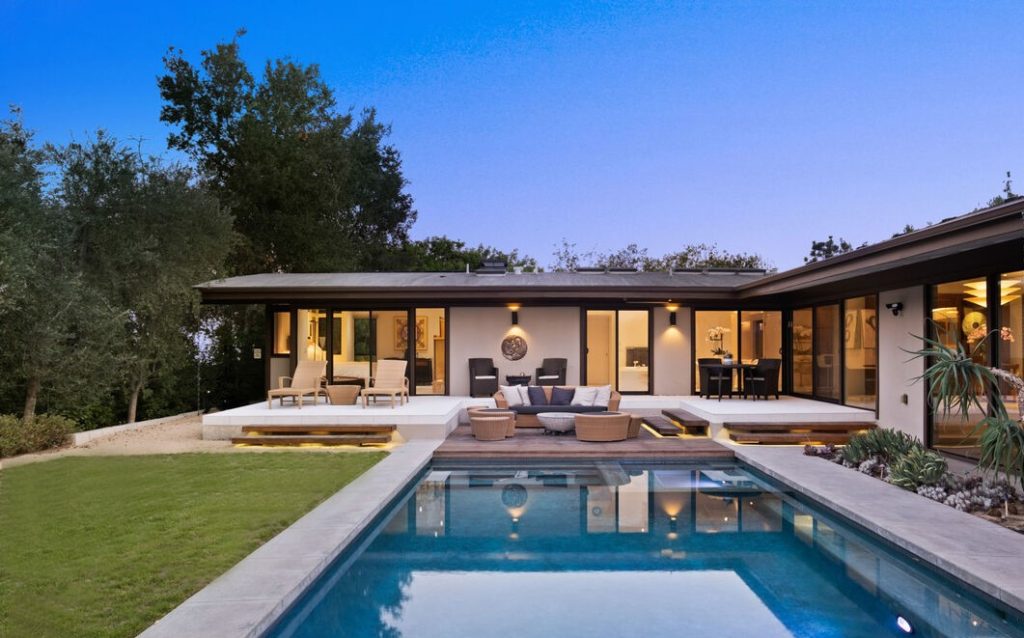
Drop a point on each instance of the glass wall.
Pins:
(619, 349)
(352, 347)
(760, 336)
(860, 344)
(429, 372)
(282, 333)
(716, 334)
(311, 338)
(826, 352)
(959, 314)
(803, 351)
(1011, 329)
(634, 351)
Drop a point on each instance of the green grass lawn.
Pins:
(104, 546)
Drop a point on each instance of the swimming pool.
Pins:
(622, 549)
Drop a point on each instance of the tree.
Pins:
(827, 249)
(311, 188)
(442, 254)
(56, 329)
(142, 235)
(693, 256)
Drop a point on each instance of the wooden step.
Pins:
(312, 439)
(815, 426)
(661, 425)
(690, 422)
(802, 438)
(334, 429)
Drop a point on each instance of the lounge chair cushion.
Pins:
(548, 376)
(561, 396)
(484, 376)
(537, 396)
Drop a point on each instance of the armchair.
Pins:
(552, 372)
(483, 377)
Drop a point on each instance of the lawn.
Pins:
(104, 546)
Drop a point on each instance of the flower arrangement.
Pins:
(716, 336)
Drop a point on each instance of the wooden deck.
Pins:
(532, 443)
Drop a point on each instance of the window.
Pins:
(618, 349)
(826, 352)
(716, 334)
(803, 351)
(282, 333)
(430, 351)
(1011, 334)
(312, 335)
(860, 343)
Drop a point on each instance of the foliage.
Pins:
(43, 432)
(143, 235)
(311, 188)
(694, 256)
(916, 468)
(441, 254)
(826, 249)
(105, 546)
(956, 384)
(885, 444)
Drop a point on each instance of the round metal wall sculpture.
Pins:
(513, 348)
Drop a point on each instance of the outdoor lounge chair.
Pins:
(390, 381)
(606, 426)
(552, 372)
(308, 379)
(483, 377)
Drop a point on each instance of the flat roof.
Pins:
(990, 237)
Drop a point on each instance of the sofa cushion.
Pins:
(576, 409)
(584, 396)
(604, 395)
(537, 396)
(524, 394)
(511, 394)
(561, 396)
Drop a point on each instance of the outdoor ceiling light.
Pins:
(896, 307)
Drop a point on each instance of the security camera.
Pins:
(896, 307)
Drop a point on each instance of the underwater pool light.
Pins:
(904, 624)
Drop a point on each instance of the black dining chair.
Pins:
(763, 379)
(704, 370)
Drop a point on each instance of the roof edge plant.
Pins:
(953, 378)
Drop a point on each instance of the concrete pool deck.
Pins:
(980, 553)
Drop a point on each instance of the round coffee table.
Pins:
(557, 422)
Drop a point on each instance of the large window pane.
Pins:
(860, 340)
(960, 316)
(803, 322)
(282, 333)
(430, 350)
(312, 335)
(600, 346)
(826, 352)
(634, 351)
(352, 347)
(1011, 334)
(716, 334)
(761, 336)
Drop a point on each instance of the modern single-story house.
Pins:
(842, 327)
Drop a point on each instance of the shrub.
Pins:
(42, 433)
(886, 445)
(917, 468)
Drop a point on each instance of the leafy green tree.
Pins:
(142, 235)
(568, 258)
(827, 249)
(442, 254)
(55, 328)
(311, 188)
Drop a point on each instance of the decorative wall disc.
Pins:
(513, 348)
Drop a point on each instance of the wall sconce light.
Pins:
(896, 307)
(514, 307)
(672, 308)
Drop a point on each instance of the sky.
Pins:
(756, 126)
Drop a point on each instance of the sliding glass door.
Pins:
(746, 335)
(619, 349)
(834, 352)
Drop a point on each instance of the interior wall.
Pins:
(672, 359)
(896, 372)
(477, 332)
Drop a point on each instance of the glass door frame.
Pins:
(785, 316)
(650, 345)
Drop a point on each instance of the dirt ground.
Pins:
(172, 437)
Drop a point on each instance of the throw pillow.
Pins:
(561, 396)
(604, 395)
(511, 394)
(537, 396)
(584, 396)
(524, 394)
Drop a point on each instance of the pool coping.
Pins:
(928, 530)
(249, 598)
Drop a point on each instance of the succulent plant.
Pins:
(916, 468)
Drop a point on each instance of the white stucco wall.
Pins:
(672, 361)
(477, 332)
(896, 371)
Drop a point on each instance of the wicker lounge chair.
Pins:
(390, 381)
(606, 426)
(308, 379)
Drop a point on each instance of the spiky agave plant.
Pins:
(953, 377)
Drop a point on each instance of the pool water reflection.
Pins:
(610, 549)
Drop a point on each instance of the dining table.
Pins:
(735, 365)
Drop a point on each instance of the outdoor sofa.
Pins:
(526, 415)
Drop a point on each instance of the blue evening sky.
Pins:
(758, 126)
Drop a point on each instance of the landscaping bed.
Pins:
(902, 460)
(105, 546)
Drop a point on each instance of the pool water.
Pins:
(616, 549)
